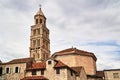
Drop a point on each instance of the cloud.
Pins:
(90, 25)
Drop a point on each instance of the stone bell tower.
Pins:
(39, 39)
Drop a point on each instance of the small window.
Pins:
(38, 31)
(49, 62)
(36, 21)
(57, 71)
(71, 73)
(7, 70)
(38, 42)
(115, 75)
(40, 20)
(34, 32)
(16, 69)
(0, 71)
(42, 72)
(34, 43)
(34, 72)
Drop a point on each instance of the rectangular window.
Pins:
(34, 43)
(34, 32)
(49, 62)
(42, 72)
(57, 71)
(38, 31)
(115, 75)
(71, 73)
(7, 70)
(0, 71)
(16, 69)
(34, 72)
(38, 42)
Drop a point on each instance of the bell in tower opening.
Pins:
(39, 39)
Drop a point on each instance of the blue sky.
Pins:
(90, 25)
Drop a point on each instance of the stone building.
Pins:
(54, 70)
(112, 74)
(68, 64)
(15, 69)
(77, 58)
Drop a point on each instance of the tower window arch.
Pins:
(40, 20)
(38, 42)
(34, 32)
(38, 31)
(34, 43)
(36, 21)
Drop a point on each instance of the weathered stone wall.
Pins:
(82, 75)
(12, 75)
(109, 75)
(74, 60)
(50, 72)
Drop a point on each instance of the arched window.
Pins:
(38, 42)
(16, 69)
(38, 31)
(34, 43)
(34, 32)
(7, 70)
(36, 21)
(40, 20)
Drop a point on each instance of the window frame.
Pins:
(1, 71)
(16, 69)
(34, 72)
(40, 21)
(42, 72)
(57, 71)
(49, 62)
(36, 21)
(7, 70)
(71, 72)
(115, 75)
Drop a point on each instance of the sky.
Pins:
(89, 25)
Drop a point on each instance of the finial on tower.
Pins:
(40, 6)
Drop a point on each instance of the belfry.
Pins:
(39, 39)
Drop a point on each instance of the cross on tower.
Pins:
(40, 6)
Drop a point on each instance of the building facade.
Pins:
(75, 57)
(15, 69)
(112, 74)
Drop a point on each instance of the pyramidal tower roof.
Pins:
(40, 12)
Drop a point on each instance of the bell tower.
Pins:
(39, 39)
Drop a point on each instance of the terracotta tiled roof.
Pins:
(77, 69)
(59, 64)
(74, 51)
(100, 73)
(21, 60)
(40, 65)
(34, 78)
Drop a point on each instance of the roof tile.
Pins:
(74, 51)
(21, 60)
(34, 78)
(40, 65)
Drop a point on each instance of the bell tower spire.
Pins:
(39, 39)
